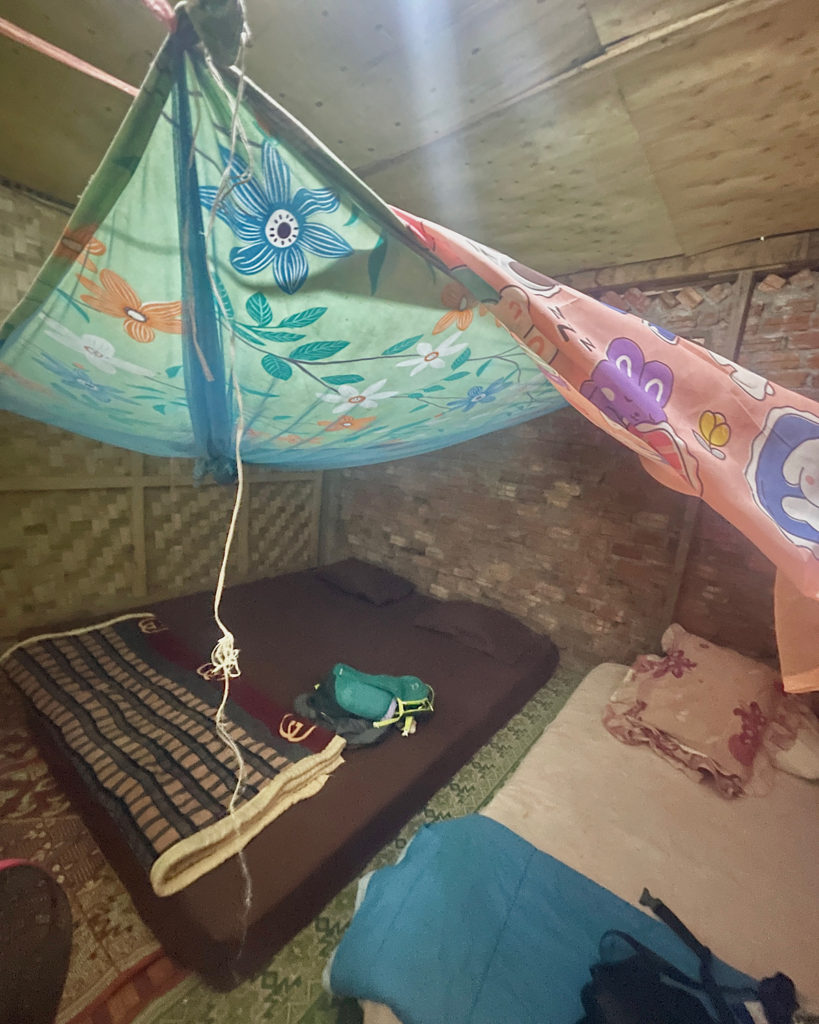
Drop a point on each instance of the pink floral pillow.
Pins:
(704, 708)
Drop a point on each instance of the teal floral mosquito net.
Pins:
(348, 340)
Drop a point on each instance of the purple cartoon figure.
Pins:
(628, 389)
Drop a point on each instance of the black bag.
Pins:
(643, 988)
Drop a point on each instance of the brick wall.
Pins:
(702, 311)
(781, 336)
(727, 590)
(551, 520)
(558, 524)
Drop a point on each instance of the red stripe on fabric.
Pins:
(279, 720)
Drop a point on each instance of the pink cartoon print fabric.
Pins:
(700, 423)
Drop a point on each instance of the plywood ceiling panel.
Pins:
(375, 78)
(729, 123)
(119, 36)
(658, 139)
(55, 124)
(554, 182)
(619, 19)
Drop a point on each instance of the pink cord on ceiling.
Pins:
(161, 9)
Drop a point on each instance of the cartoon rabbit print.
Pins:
(627, 388)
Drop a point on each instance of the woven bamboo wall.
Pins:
(89, 529)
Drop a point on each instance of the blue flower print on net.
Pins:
(275, 227)
(476, 395)
(76, 377)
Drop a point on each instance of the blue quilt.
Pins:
(477, 926)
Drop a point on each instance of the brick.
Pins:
(786, 324)
(637, 300)
(807, 339)
(669, 300)
(650, 519)
(583, 280)
(804, 279)
(805, 304)
(651, 538)
(690, 297)
(794, 379)
(772, 283)
(786, 359)
(627, 551)
(587, 604)
(719, 292)
(613, 299)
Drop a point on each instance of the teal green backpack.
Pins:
(362, 706)
(384, 700)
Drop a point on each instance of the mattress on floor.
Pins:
(742, 874)
(290, 631)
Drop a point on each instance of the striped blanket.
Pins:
(136, 715)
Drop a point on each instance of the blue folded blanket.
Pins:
(477, 926)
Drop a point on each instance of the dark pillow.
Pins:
(488, 630)
(376, 585)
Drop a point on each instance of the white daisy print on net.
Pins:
(434, 357)
(348, 398)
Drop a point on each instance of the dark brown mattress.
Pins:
(291, 630)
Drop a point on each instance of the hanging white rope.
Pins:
(225, 655)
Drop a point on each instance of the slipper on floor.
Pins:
(35, 943)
